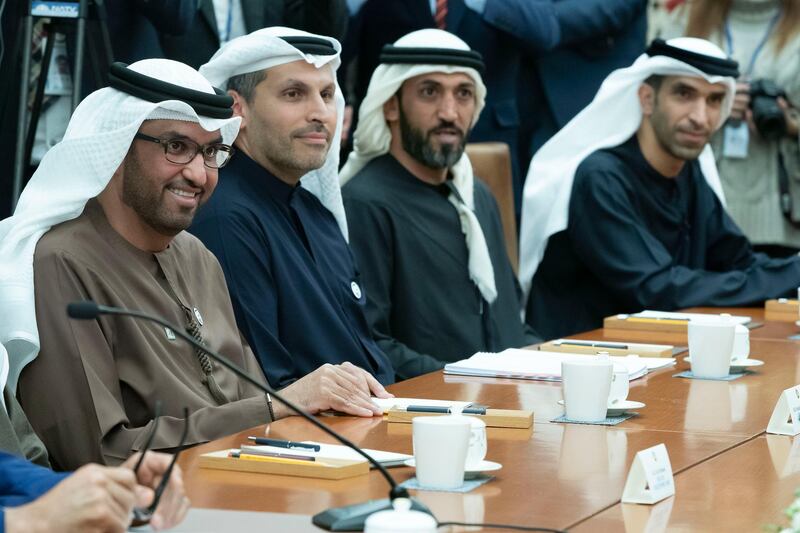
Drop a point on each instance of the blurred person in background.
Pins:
(758, 150)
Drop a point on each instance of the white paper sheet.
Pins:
(540, 365)
(335, 451)
(698, 317)
(402, 403)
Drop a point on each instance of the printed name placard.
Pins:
(785, 419)
(650, 479)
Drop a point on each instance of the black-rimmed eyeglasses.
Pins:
(142, 515)
(182, 151)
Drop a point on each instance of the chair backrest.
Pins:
(491, 161)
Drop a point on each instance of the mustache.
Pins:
(312, 128)
(446, 127)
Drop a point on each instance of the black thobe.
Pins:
(407, 239)
(637, 239)
(292, 279)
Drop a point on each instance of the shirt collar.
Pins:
(263, 179)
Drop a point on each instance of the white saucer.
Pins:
(797, 322)
(741, 364)
(471, 471)
(619, 407)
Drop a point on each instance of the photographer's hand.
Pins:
(741, 101)
(792, 118)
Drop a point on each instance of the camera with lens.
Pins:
(769, 118)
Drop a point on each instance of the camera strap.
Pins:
(759, 47)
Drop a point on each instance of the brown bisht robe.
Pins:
(91, 392)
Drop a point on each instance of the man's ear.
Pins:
(240, 108)
(647, 98)
(391, 109)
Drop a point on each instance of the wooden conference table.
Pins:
(729, 475)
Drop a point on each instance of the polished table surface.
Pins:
(743, 489)
(558, 475)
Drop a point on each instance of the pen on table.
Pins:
(279, 443)
(265, 458)
(249, 450)
(616, 345)
(444, 410)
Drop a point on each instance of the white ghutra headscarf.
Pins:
(609, 120)
(75, 170)
(274, 46)
(372, 136)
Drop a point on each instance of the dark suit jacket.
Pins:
(596, 38)
(201, 41)
(384, 21)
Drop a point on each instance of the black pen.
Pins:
(280, 443)
(444, 410)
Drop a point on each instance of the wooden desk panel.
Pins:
(742, 489)
(558, 476)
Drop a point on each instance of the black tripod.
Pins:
(65, 20)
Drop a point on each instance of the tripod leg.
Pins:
(19, 157)
(80, 48)
(36, 110)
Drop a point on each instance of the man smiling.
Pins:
(118, 192)
(427, 234)
(277, 224)
(623, 208)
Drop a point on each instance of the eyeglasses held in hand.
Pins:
(182, 151)
(142, 515)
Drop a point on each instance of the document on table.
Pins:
(539, 365)
(336, 451)
(695, 317)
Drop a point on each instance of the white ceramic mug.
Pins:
(711, 348)
(476, 449)
(440, 450)
(586, 383)
(741, 343)
(619, 385)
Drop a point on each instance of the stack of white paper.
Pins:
(539, 365)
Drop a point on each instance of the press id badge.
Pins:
(736, 140)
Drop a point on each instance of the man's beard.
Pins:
(147, 200)
(667, 138)
(420, 146)
(284, 155)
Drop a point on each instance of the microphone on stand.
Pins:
(347, 518)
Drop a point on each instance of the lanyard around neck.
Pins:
(757, 51)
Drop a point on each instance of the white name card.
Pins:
(785, 419)
(650, 479)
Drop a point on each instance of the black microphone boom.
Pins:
(348, 518)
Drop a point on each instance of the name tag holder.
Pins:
(785, 419)
(650, 478)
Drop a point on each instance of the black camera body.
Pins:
(768, 117)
